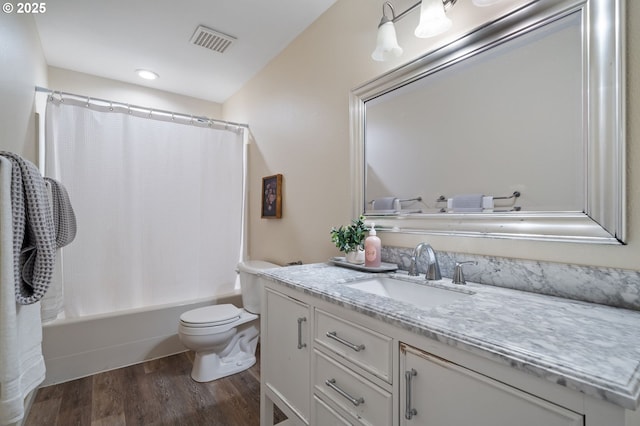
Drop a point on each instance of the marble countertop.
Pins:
(594, 349)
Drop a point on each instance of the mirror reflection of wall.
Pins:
(508, 119)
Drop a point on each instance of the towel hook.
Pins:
(515, 194)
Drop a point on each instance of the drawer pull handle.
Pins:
(408, 411)
(333, 335)
(300, 344)
(332, 384)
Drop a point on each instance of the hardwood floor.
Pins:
(159, 392)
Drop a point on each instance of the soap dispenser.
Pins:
(372, 249)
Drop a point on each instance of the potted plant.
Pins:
(350, 240)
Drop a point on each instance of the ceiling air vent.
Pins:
(212, 40)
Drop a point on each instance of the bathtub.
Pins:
(80, 347)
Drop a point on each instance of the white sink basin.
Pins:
(421, 295)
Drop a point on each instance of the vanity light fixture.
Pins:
(387, 41)
(146, 74)
(433, 21)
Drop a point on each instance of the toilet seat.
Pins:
(213, 320)
(210, 316)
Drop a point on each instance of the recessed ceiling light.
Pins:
(146, 74)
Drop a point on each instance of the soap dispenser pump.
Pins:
(372, 249)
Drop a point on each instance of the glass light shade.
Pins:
(433, 20)
(387, 43)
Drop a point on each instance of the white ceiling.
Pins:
(113, 38)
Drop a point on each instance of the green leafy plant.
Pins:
(350, 238)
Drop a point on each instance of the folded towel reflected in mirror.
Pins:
(466, 203)
(386, 203)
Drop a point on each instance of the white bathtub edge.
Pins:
(79, 348)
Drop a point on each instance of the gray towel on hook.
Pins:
(34, 245)
(64, 219)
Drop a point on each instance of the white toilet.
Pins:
(225, 337)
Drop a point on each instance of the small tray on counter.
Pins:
(384, 267)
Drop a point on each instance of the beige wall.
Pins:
(22, 67)
(298, 111)
(84, 84)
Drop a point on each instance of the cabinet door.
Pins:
(436, 392)
(285, 349)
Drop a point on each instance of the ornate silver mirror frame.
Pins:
(604, 215)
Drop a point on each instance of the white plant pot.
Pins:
(355, 257)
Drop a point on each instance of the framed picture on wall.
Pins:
(272, 197)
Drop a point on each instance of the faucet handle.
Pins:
(458, 274)
(413, 267)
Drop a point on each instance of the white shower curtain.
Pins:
(159, 207)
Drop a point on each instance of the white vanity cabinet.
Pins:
(320, 368)
(325, 364)
(285, 357)
(435, 391)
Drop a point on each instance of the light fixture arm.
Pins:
(385, 18)
(446, 3)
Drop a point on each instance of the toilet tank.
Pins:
(250, 283)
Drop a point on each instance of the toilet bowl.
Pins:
(224, 337)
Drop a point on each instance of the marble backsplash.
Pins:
(606, 286)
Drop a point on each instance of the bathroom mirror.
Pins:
(527, 111)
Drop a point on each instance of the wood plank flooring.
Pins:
(159, 392)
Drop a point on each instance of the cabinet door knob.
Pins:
(408, 411)
(332, 384)
(333, 335)
(300, 344)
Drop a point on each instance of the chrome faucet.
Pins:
(433, 268)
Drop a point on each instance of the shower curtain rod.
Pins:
(201, 119)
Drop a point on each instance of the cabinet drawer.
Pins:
(326, 416)
(359, 397)
(365, 348)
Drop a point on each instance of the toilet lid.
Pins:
(210, 315)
